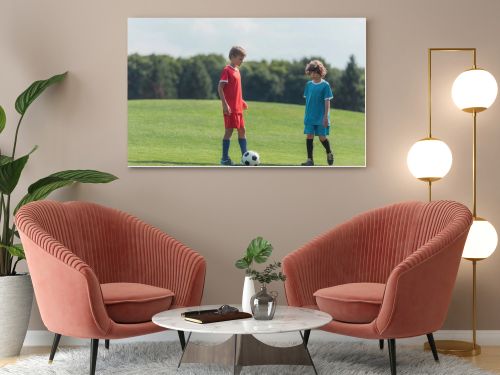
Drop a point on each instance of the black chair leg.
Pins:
(106, 344)
(94, 345)
(381, 344)
(55, 344)
(392, 355)
(432, 344)
(182, 339)
(307, 333)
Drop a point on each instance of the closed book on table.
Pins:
(212, 317)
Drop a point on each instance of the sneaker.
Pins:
(308, 163)
(227, 161)
(329, 158)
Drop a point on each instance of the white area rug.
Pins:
(162, 358)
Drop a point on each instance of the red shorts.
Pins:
(234, 121)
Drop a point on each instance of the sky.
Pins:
(335, 39)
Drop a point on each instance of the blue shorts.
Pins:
(317, 130)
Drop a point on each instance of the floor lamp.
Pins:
(473, 91)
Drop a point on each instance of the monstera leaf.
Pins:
(258, 250)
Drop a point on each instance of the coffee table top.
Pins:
(286, 319)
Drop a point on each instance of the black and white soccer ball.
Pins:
(250, 158)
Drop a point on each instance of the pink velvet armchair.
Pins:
(385, 274)
(100, 273)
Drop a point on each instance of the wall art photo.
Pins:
(246, 92)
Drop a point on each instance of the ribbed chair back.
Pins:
(383, 238)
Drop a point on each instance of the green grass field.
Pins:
(189, 133)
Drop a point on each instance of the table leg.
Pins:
(182, 339)
(305, 340)
(184, 350)
(237, 343)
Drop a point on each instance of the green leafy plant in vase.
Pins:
(262, 305)
(16, 291)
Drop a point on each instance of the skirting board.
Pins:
(484, 337)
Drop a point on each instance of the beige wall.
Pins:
(83, 124)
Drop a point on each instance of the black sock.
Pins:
(309, 145)
(326, 145)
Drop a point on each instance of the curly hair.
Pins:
(316, 66)
(237, 51)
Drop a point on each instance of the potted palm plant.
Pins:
(16, 291)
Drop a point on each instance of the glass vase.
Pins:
(263, 304)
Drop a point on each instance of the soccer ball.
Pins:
(250, 158)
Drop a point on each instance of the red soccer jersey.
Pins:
(232, 88)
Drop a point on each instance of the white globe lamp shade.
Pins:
(481, 241)
(474, 90)
(429, 159)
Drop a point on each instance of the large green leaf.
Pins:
(31, 93)
(3, 119)
(76, 175)
(42, 193)
(43, 187)
(10, 172)
(86, 176)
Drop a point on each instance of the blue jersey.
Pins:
(316, 94)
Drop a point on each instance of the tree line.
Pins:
(166, 77)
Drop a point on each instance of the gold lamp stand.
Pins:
(455, 347)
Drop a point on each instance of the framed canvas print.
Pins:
(246, 92)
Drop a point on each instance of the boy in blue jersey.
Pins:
(317, 115)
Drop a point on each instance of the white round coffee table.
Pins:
(242, 348)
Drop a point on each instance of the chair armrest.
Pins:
(67, 290)
(322, 262)
(419, 289)
(165, 262)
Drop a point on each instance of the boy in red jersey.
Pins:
(230, 93)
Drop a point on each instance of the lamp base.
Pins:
(457, 348)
